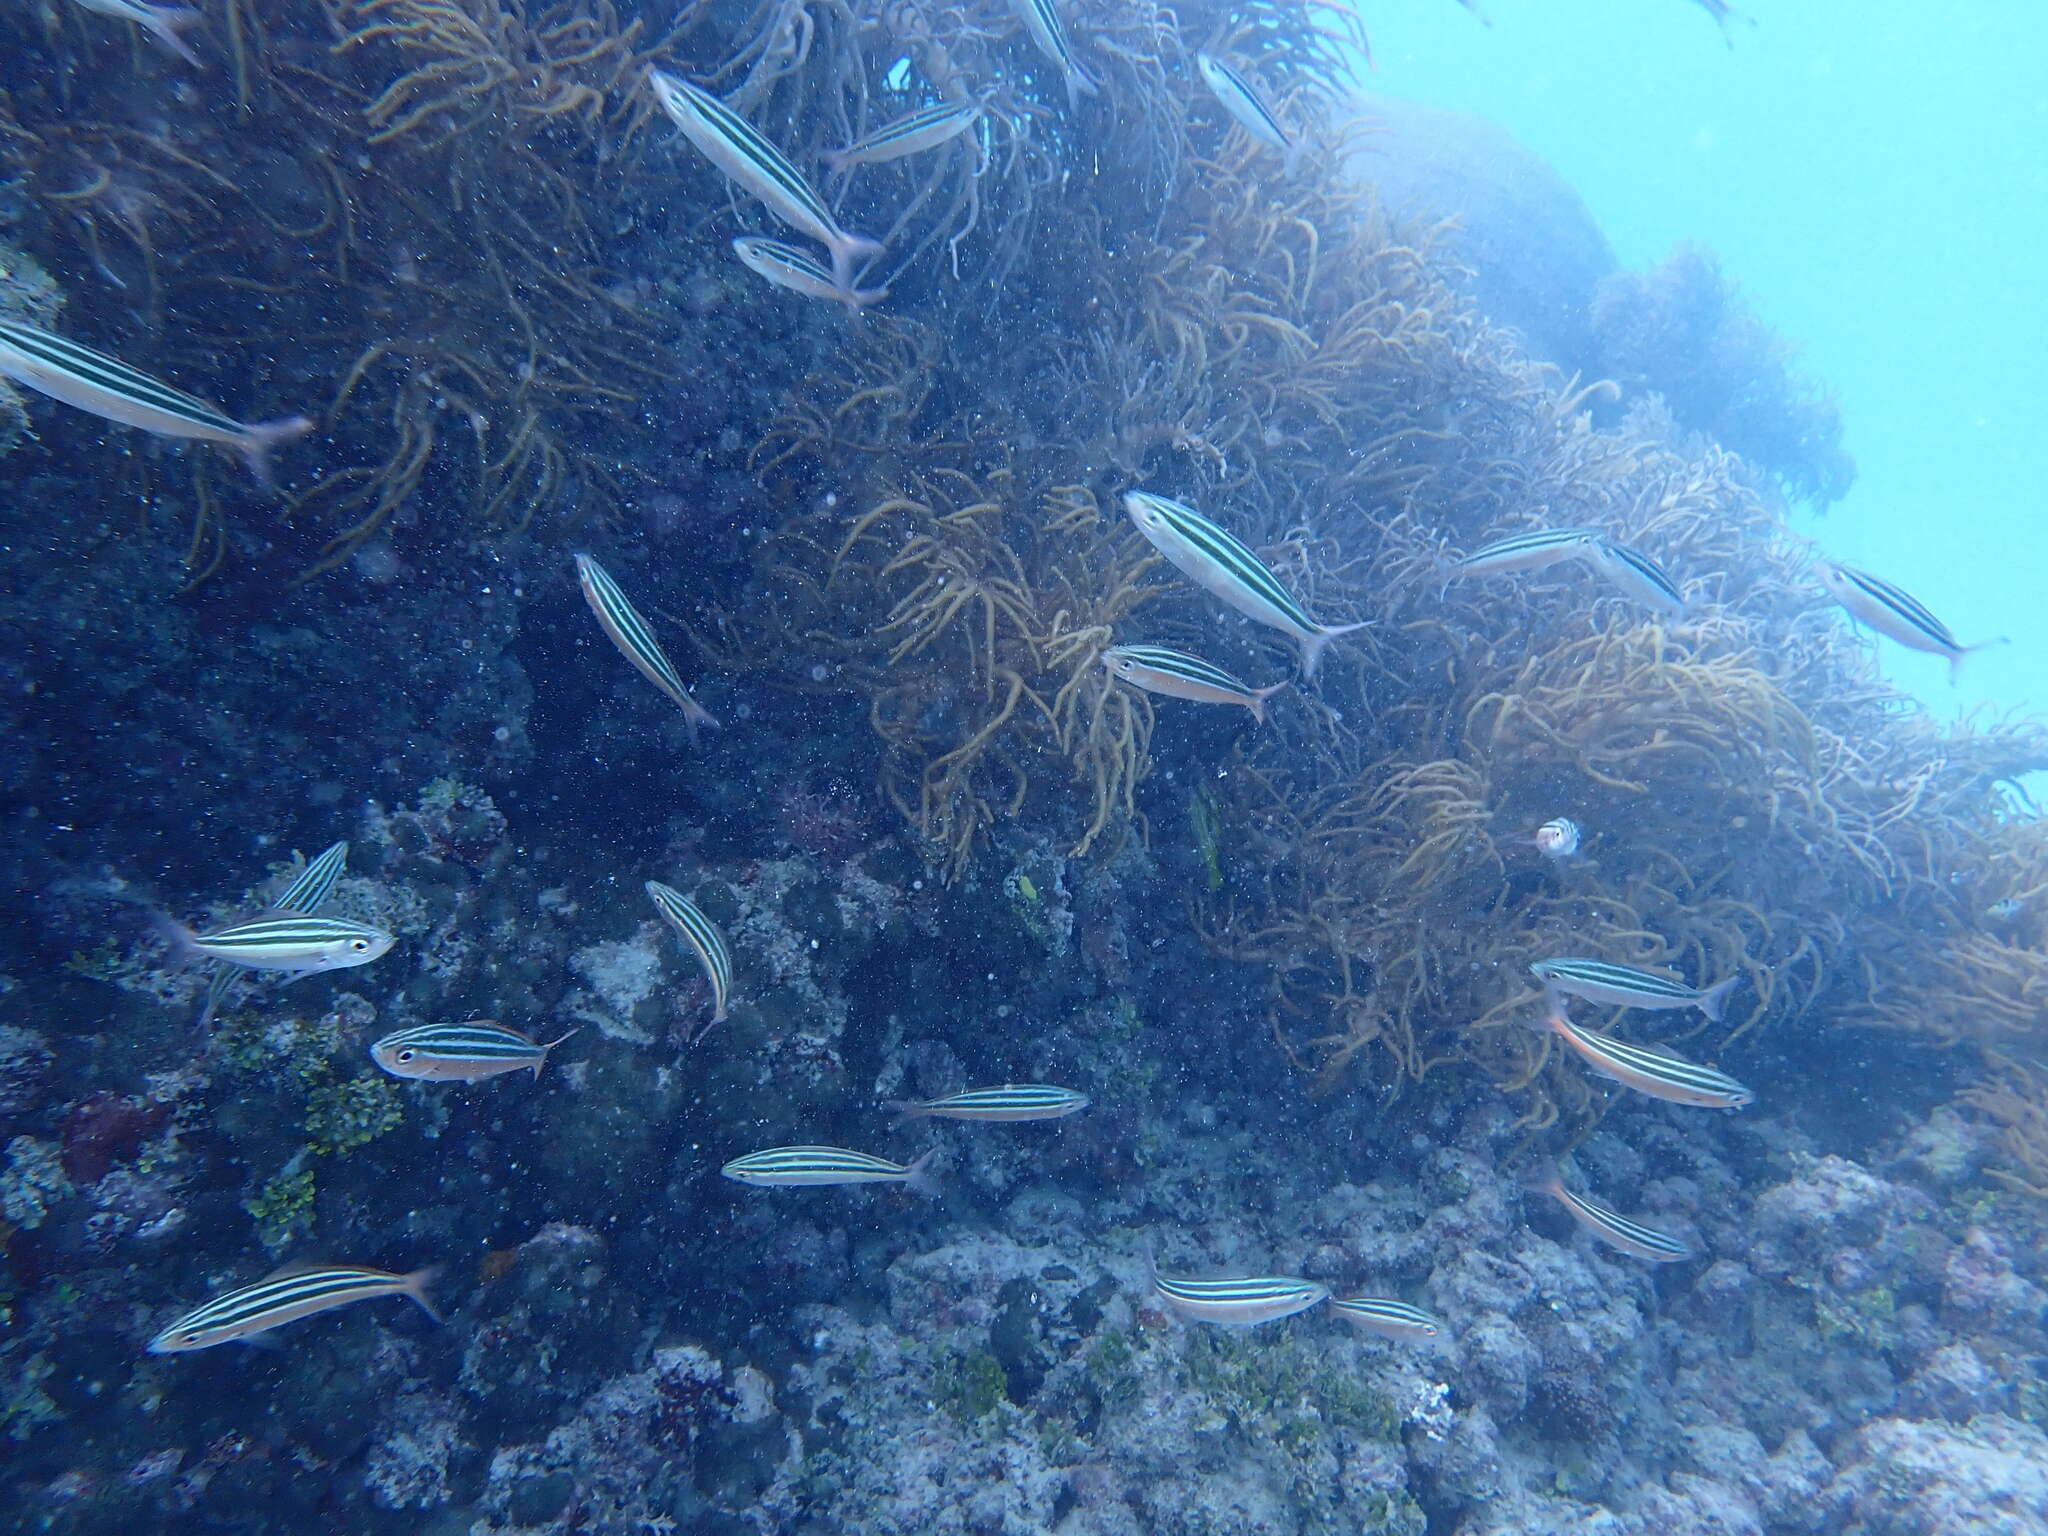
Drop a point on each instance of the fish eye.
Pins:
(359, 945)
(1124, 666)
(188, 1338)
(405, 1055)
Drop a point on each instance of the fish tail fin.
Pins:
(836, 162)
(1290, 158)
(1312, 647)
(217, 991)
(858, 299)
(1715, 998)
(921, 1177)
(174, 933)
(905, 1111)
(1955, 660)
(258, 438)
(1548, 1021)
(1079, 83)
(166, 22)
(846, 251)
(417, 1286)
(1542, 1177)
(544, 1050)
(698, 719)
(1259, 697)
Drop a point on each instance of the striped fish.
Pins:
(1181, 676)
(284, 1297)
(926, 128)
(1895, 615)
(68, 371)
(307, 892)
(787, 266)
(162, 22)
(1381, 1315)
(1042, 20)
(1611, 1227)
(1626, 987)
(1656, 1073)
(804, 1167)
(729, 142)
(1243, 102)
(1558, 838)
(704, 940)
(621, 620)
(1012, 1101)
(1221, 566)
(286, 941)
(1639, 576)
(461, 1053)
(1243, 1302)
(1527, 552)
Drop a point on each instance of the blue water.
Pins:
(1873, 175)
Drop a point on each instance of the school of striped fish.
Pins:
(293, 938)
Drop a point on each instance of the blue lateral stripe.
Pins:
(1657, 1064)
(627, 626)
(938, 115)
(1600, 974)
(315, 881)
(1648, 569)
(1906, 607)
(1633, 1231)
(769, 160)
(1546, 538)
(1180, 664)
(115, 377)
(267, 1297)
(1243, 566)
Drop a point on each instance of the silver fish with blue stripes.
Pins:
(1221, 566)
(74, 373)
(1659, 1074)
(1626, 986)
(811, 1167)
(1239, 1302)
(732, 144)
(1011, 1101)
(797, 270)
(284, 1297)
(1558, 839)
(1387, 1317)
(1042, 20)
(1526, 552)
(1608, 1225)
(1244, 102)
(307, 892)
(1178, 675)
(619, 619)
(285, 941)
(1896, 615)
(926, 128)
(461, 1053)
(704, 940)
(1639, 576)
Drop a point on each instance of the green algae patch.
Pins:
(343, 1116)
(970, 1386)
